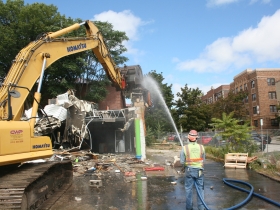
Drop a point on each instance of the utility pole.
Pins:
(261, 122)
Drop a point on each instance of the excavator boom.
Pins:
(26, 186)
(34, 59)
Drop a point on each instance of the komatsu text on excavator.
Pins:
(25, 187)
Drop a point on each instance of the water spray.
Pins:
(150, 84)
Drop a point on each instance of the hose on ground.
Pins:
(255, 194)
(251, 192)
(242, 182)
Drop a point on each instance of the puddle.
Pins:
(159, 193)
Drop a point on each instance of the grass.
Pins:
(267, 164)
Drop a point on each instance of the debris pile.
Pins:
(86, 163)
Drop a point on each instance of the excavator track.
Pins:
(31, 184)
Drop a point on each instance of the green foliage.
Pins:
(190, 112)
(166, 90)
(97, 91)
(21, 24)
(255, 165)
(150, 137)
(219, 152)
(83, 71)
(159, 130)
(114, 41)
(158, 112)
(277, 116)
(237, 135)
(233, 103)
(215, 151)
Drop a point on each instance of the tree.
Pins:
(232, 103)
(21, 24)
(231, 129)
(277, 116)
(93, 79)
(83, 71)
(189, 110)
(162, 97)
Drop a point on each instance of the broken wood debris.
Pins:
(88, 163)
(154, 168)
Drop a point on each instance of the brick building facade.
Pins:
(113, 101)
(263, 86)
(215, 94)
(261, 102)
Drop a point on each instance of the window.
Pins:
(236, 90)
(253, 84)
(240, 87)
(246, 99)
(254, 97)
(273, 108)
(245, 86)
(256, 123)
(274, 122)
(270, 81)
(272, 95)
(254, 110)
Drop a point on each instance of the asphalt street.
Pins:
(165, 190)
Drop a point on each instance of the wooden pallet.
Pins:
(236, 160)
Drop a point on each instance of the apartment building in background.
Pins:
(263, 95)
(214, 95)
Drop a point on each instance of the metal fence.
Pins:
(211, 138)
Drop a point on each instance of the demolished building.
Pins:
(77, 123)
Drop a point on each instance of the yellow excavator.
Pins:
(27, 186)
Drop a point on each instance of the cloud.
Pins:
(260, 44)
(122, 21)
(211, 3)
(175, 60)
(262, 1)
(215, 3)
(127, 22)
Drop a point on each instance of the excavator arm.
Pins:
(27, 186)
(31, 62)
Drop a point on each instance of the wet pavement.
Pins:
(162, 190)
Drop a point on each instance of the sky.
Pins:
(201, 44)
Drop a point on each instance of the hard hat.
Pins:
(192, 135)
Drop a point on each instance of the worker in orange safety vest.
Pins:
(192, 158)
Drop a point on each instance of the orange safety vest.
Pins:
(194, 158)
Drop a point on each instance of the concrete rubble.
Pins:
(86, 163)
